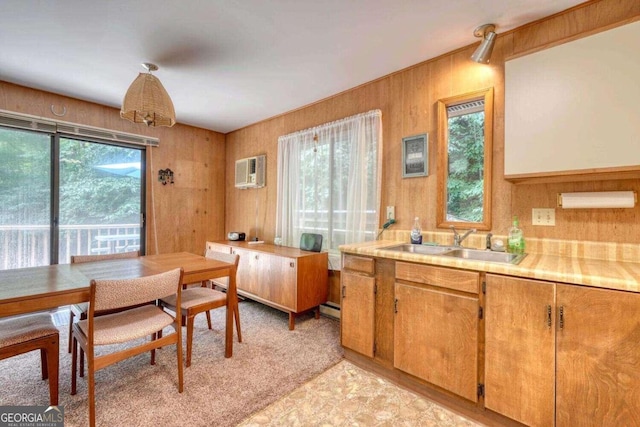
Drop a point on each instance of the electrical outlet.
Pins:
(391, 212)
(543, 216)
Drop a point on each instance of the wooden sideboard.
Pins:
(289, 279)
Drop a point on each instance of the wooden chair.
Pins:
(128, 325)
(221, 282)
(35, 332)
(203, 299)
(216, 247)
(80, 310)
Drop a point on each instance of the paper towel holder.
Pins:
(597, 200)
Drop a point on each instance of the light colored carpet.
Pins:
(269, 363)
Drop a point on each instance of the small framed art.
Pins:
(415, 156)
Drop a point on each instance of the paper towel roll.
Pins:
(602, 199)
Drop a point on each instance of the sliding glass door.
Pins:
(61, 196)
(25, 198)
(100, 199)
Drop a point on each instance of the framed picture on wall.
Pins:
(415, 156)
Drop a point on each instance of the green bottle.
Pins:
(515, 242)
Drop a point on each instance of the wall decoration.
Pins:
(415, 156)
(165, 176)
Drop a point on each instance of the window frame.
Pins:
(54, 190)
(443, 163)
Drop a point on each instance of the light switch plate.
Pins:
(391, 212)
(543, 216)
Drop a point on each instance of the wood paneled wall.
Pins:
(408, 103)
(188, 212)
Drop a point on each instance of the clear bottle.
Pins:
(416, 232)
(515, 242)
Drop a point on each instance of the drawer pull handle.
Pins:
(561, 317)
(548, 316)
(344, 292)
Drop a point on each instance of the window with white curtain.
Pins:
(329, 181)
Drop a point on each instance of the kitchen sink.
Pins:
(455, 252)
(420, 249)
(484, 255)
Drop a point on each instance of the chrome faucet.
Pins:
(457, 238)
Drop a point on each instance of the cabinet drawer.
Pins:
(459, 280)
(217, 247)
(358, 263)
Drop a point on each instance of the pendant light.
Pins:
(146, 101)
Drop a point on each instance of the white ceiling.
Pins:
(230, 63)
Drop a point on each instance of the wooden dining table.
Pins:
(27, 290)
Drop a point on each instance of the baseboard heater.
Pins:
(330, 309)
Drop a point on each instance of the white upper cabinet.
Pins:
(575, 108)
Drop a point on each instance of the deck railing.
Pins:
(28, 245)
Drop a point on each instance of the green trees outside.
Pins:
(326, 172)
(89, 194)
(25, 178)
(465, 185)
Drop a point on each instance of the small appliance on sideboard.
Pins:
(236, 235)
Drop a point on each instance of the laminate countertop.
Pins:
(609, 274)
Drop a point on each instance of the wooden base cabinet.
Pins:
(357, 304)
(436, 338)
(520, 349)
(580, 343)
(598, 357)
(436, 328)
(288, 279)
(357, 310)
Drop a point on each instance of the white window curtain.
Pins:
(329, 181)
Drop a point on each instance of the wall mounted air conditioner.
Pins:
(250, 172)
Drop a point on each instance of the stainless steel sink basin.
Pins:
(455, 252)
(420, 249)
(480, 255)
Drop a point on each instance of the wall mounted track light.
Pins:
(483, 52)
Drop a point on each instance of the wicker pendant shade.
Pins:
(146, 101)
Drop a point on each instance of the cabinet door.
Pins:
(222, 282)
(598, 357)
(357, 312)
(278, 280)
(246, 275)
(520, 349)
(436, 338)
